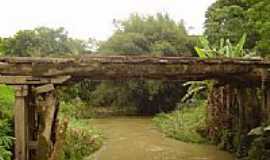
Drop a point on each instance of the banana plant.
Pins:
(194, 87)
(225, 49)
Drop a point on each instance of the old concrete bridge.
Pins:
(35, 80)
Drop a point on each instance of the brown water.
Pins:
(138, 139)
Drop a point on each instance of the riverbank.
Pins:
(185, 124)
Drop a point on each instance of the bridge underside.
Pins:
(35, 80)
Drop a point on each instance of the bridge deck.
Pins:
(25, 70)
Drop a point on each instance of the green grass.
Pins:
(183, 124)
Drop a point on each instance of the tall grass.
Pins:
(184, 123)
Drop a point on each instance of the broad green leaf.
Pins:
(204, 42)
(201, 53)
(192, 92)
(193, 83)
(240, 46)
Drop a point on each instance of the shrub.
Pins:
(6, 139)
(7, 99)
(81, 140)
(76, 109)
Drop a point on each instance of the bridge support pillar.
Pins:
(47, 105)
(21, 122)
(266, 103)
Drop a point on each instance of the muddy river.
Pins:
(137, 138)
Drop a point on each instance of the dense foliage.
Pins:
(6, 122)
(41, 41)
(152, 34)
(147, 97)
(232, 18)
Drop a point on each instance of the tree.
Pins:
(230, 19)
(42, 41)
(153, 36)
(259, 22)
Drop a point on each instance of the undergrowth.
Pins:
(6, 122)
(81, 138)
(76, 109)
(184, 123)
